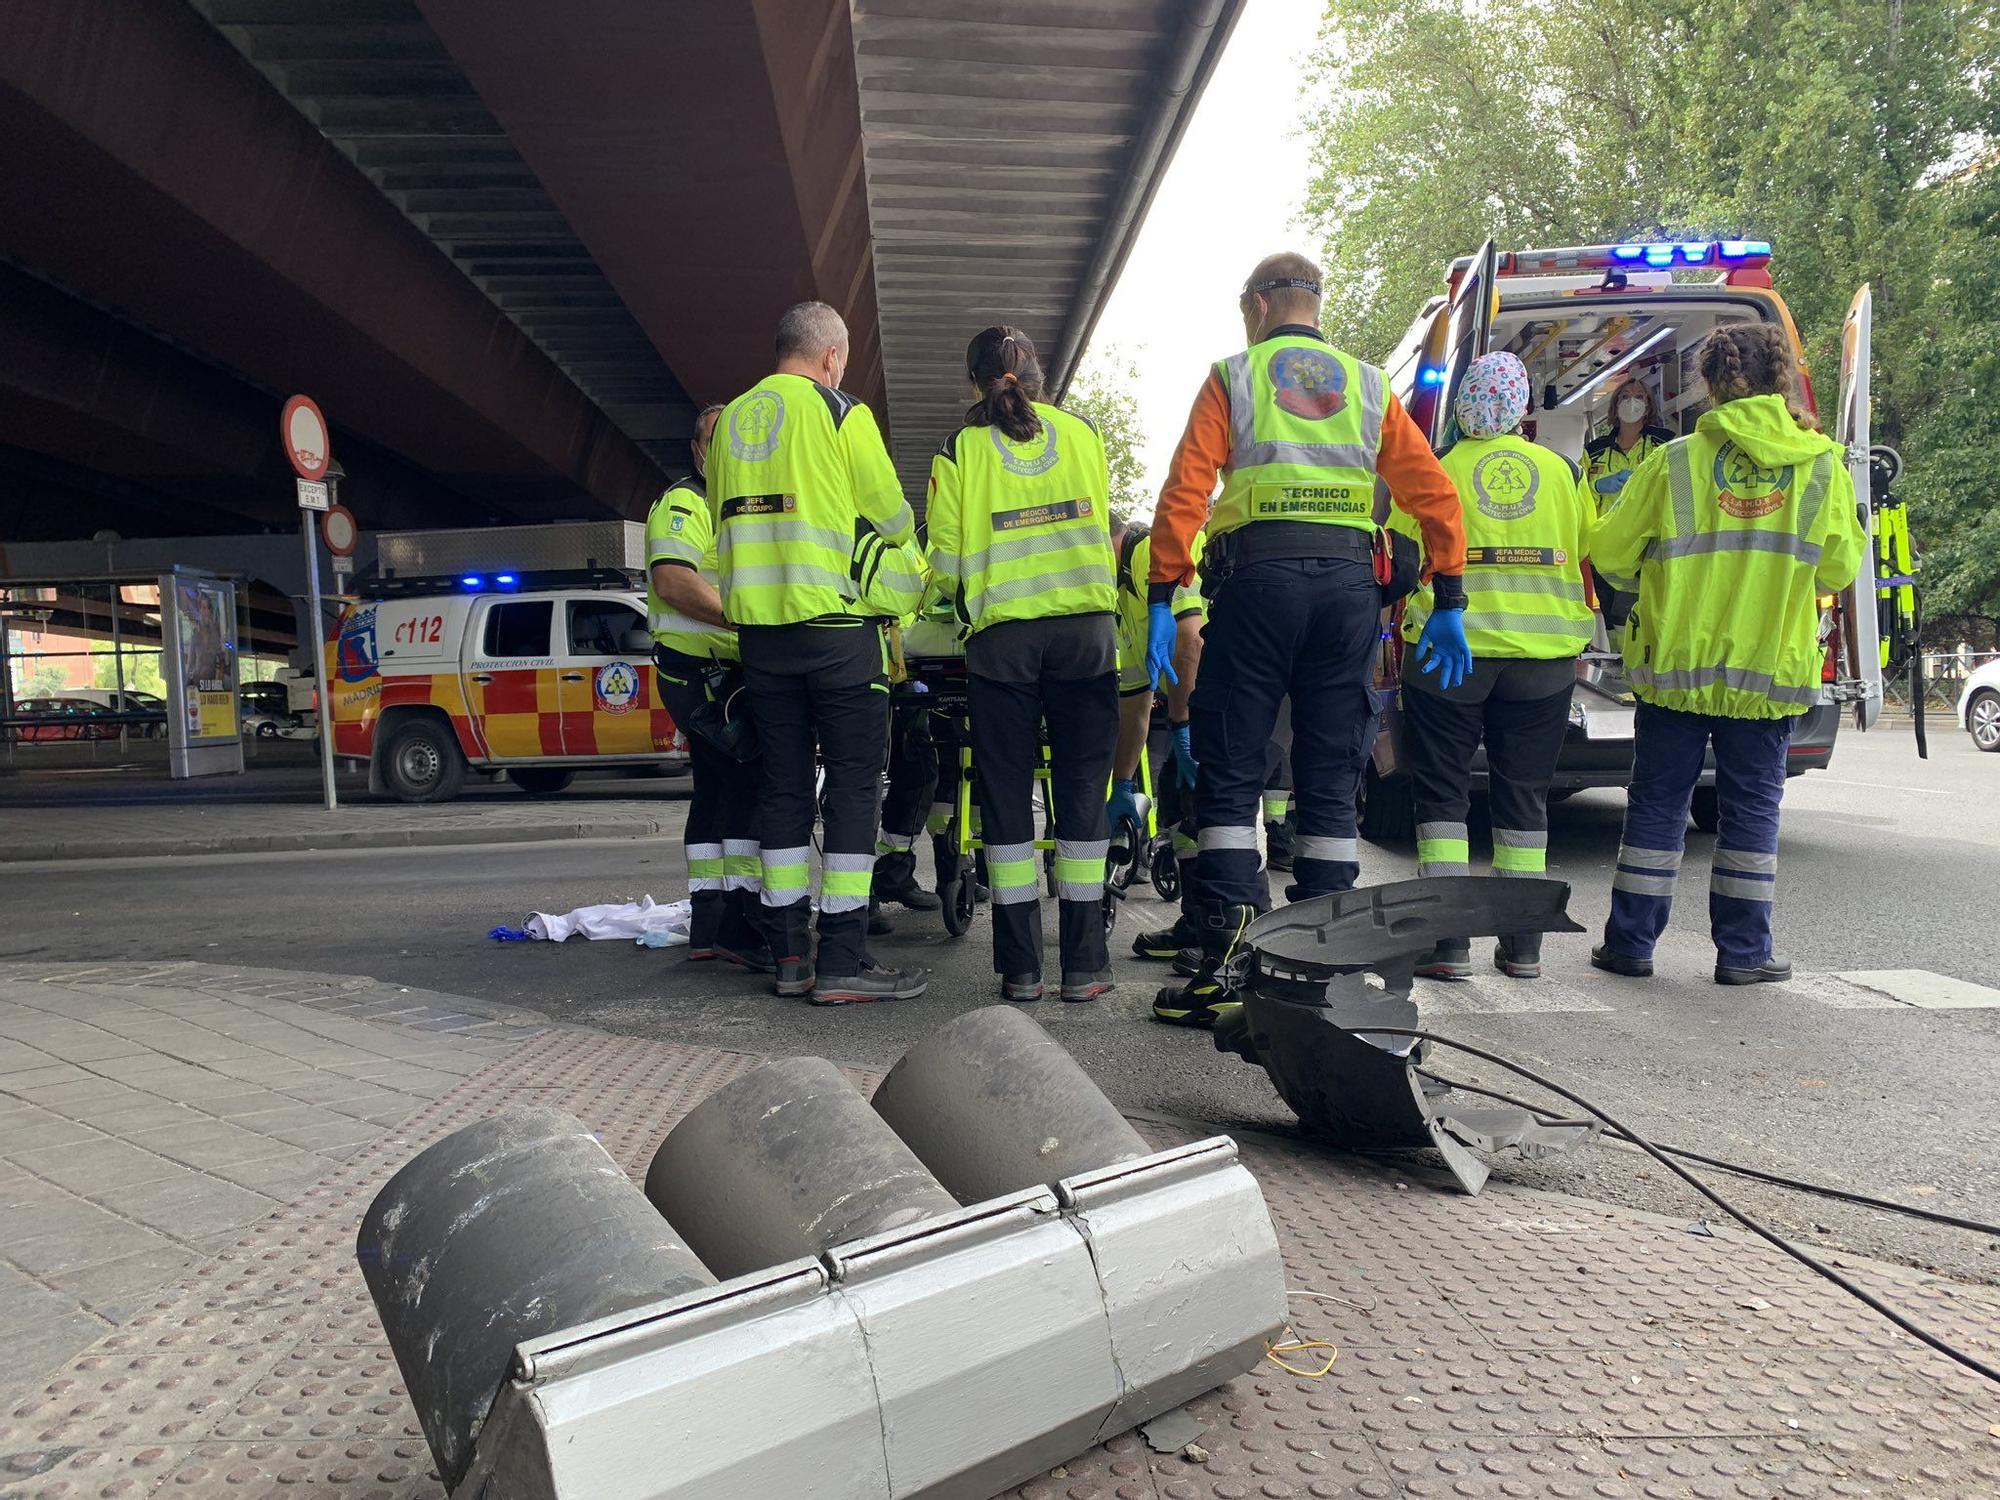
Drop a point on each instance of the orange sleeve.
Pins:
(1183, 507)
(1419, 485)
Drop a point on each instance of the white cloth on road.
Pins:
(639, 921)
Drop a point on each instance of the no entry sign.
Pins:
(338, 530)
(306, 443)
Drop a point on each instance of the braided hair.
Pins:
(1002, 363)
(1752, 359)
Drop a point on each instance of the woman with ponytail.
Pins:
(1020, 538)
(1732, 534)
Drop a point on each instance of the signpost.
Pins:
(307, 445)
(342, 534)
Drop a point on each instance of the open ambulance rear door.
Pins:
(1858, 671)
(1468, 327)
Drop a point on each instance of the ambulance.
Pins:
(1586, 319)
(535, 674)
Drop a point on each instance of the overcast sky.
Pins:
(1229, 198)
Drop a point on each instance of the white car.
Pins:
(1979, 707)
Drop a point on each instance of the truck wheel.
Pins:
(1388, 808)
(1982, 717)
(1706, 809)
(421, 761)
(540, 781)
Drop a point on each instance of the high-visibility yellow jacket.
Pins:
(792, 468)
(1608, 468)
(681, 529)
(1133, 570)
(1732, 534)
(1022, 531)
(1527, 526)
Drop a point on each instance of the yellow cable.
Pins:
(1297, 1345)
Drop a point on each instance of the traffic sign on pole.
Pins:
(340, 531)
(310, 449)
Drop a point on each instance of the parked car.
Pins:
(1979, 707)
(264, 710)
(64, 718)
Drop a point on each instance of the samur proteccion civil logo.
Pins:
(754, 424)
(1504, 485)
(1309, 383)
(1036, 456)
(1745, 488)
(616, 688)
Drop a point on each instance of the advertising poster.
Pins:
(198, 619)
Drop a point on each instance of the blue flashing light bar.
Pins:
(472, 580)
(505, 580)
(1430, 375)
(1696, 255)
(1744, 249)
(1627, 252)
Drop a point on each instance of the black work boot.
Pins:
(737, 938)
(1450, 959)
(896, 880)
(707, 911)
(1022, 988)
(1167, 941)
(1773, 970)
(1280, 844)
(1519, 956)
(879, 924)
(1216, 990)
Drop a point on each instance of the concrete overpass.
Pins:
(511, 246)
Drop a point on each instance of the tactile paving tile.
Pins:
(1514, 1344)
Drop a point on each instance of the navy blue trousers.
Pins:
(1749, 783)
(1307, 628)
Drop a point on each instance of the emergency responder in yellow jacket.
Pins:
(809, 514)
(1732, 533)
(1020, 534)
(1299, 434)
(1527, 619)
(1610, 461)
(700, 677)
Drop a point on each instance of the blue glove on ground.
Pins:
(1160, 633)
(1442, 648)
(1124, 805)
(1184, 752)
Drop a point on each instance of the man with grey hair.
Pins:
(799, 476)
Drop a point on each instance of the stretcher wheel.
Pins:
(1165, 871)
(1110, 908)
(956, 897)
(1128, 837)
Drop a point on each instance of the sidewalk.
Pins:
(1518, 1344)
(503, 817)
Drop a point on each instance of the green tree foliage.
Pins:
(1837, 130)
(1103, 393)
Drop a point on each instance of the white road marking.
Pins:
(1924, 990)
(1498, 996)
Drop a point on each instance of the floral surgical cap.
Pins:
(1493, 398)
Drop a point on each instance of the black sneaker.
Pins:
(1450, 959)
(1167, 942)
(1601, 957)
(1201, 1002)
(1021, 987)
(795, 978)
(1773, 970)
(1078, 987)
(874, 982)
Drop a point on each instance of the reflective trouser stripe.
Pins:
(844, 881)
(1276, 804)
(1222, 837)
(1646, 872)
(1443, 849)
(1336, 850)
(705, 867)
(1747, 874)
(1185, 845)
(1011, 873)
(1080, 868)
(741, 868)
(939, 820)
(894, 843)
(787, 875)
(1520, 851)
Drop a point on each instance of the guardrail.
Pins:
(104, 726)
(1944, 678)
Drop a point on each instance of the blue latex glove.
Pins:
(1184, 752)
(1442, 648)
(1611, 484)
(1161, 630)
(1124, 805)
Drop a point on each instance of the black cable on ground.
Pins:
(1810, 1262)
(1822, 1189)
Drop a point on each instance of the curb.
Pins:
(358, 838)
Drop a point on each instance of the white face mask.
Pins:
(1631, 409)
